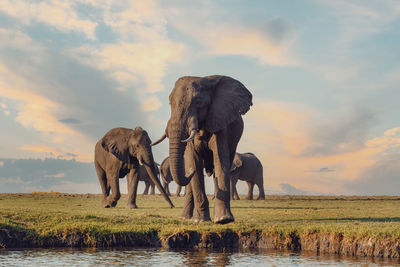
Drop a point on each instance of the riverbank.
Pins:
(362, 226)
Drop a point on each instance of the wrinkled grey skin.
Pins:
(144, 177)
(207, 113)
(167, 178)
(247, 167)
(118, 154)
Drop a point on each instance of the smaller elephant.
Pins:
(247, 167)
(144, 177)
(167, 178)
(118, 154)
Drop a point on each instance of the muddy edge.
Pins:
(317, 242)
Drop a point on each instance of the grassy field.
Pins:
(52, 214)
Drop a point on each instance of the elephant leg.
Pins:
(166, 188)
(215, 186)
(222, 164)
(250, 193)
(201, 210)
(115, 193)
(146, 189)
(152, 189)
(234, 193)
(261, 195)
(132, 180)
(188, 206)
(260, 184)
(105, 188)
(178, 191)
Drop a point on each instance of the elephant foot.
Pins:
(249, 198)
(261, 198)
(131, 206)
(199, 220)
(110, 202)
(105, 204)
(222, 214)
(185, 217)
(224, 219)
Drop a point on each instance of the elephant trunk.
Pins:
(177, 149)
(151, 170)
(176, 161)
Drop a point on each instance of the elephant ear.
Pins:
(237, 162)
(230, 100)
(116, 141)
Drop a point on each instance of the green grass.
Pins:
(46, 215)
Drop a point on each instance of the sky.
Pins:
(325, 78)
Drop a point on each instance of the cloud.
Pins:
(126, 62)
(291, 190)
(269, 43)
(38, 112)
(288, 131)
(61, 15)
(64, 105)
(49, 151)
(237, 40)
(151, 103)
(382, 178)
(342, 134)
(27, 175)
(70, 121)
(56, 175)
(323, 169)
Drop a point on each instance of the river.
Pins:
(162, 257)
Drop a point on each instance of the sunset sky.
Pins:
(325, 79)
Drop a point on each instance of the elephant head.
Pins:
(131, 147)
(201, 103)
(237, 162)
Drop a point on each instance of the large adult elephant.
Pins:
(204, 129)
(167, 177)
(247, 167)
(119, 153)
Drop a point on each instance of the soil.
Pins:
(321, 243)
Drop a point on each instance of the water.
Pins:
(160, 258)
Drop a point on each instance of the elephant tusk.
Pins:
(191, 137)
(159, 140)
(140, 161)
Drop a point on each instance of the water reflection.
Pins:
(160, 257)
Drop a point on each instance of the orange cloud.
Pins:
(151, 103)
(37, 112)
(57, 13)
(278, 133)
(249, 42)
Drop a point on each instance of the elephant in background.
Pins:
(167, 178)
(118, 154)
(247, 167)
(204, 129)
(149, 184)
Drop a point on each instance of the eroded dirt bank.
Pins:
(317, 242)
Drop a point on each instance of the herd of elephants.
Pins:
(204, 130)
